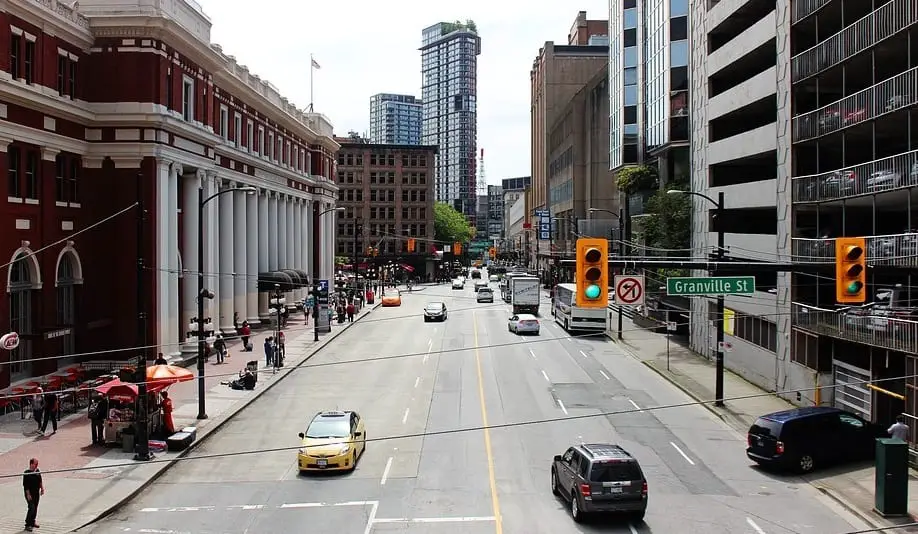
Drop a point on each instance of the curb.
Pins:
(848, 507)
(224, 419)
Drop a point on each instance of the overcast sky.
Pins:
(368, 47)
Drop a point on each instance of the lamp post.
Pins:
(143, 442)
(621, 245)
(315, 285)
(357, 229)
(278, 303)
(203, 293)
(719, 321)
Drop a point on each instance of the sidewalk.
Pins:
(74, 499)
(852, 488)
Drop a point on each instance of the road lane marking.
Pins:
(181, 509)
(532, 353)
(604, 375)
(680, 451)
(561, 405)
(246, 507)
(584, 354)
(303, 505)
(546, 376)
(385, 473)
(755, 527)
(417, 381)
(405, 417)
(492, 480)
(371, 519)
(638, 408)
(432, 519)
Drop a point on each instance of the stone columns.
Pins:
(227, 258)
(164, 254)
(283, 254)
(310, 239)
(212, 249)
(287, 234)
(263, 264)
(272, 232)
(297, 248)
(252, 257)
(190, 244)
(240, 247)
(174, 264)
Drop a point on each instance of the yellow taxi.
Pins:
(392, 299)
(333, 441)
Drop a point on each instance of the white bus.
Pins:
(572, 318)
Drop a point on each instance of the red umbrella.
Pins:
(123, 391)
(168, 374)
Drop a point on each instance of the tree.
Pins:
(631, 180)
(450, 226)
(668, 225)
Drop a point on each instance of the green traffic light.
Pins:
(854, 287)
(592, 292)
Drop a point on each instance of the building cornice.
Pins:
(54, 18)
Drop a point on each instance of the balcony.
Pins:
(891, 250)
(805, 8)
(892, 94)
(879, 25)
(879, 176)
(876, 330)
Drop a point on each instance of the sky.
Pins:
(365, 48)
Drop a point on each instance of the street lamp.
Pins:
(719, 321)
(315, 285)
(278, 303)
(203, 293)
(621, 246)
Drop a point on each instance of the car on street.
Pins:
(392, 299)
(598, 478)
(476, 273)
(494, 278)
(804, 438)
(333, 441)
(435, 311)
(480, 284)
(485, 294)
(458, 283)
(523, 323)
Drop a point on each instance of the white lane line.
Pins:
(584, 354)
(755, 527)
(632, 529)
(405, 417)
(433, 519)
(532, 353)
(303, 505)
(371, 519)
(354, 503)
(385, 473)
(417, 381)
(181, 509)
(638, 408)
(680, 451)
(561, 405)
(546, 376)
(604, 375)
(246, 507)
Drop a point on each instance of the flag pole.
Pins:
(312, 74)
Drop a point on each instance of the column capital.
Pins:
(176, 168)
(201, 174)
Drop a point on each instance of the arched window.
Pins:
(20, 287)
(66, 307)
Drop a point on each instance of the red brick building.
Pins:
(109, 103)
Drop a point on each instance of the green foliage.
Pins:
(631, 180)
(342, 260)
(668, 224)
(450, 226)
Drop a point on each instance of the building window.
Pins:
(29, 70)
(224, 122)
(60, 178)
(14, 177)
(237, 129)
(270, 148)
(20, 316)
(187, 98)
(66, 308)
(61, 75)
(249, 129)
(73, 180)
(261, 141)
(15, 55)
(31, 175)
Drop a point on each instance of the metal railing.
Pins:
(876, 330)
(881, 24)
(805, 8)
(894, 172)
(894, 250)
(897, 92)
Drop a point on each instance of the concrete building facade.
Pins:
(395, 119)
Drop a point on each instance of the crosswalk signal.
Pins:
(411, 245)
(457, 248)
(850, 270)
(592, 273)
(492, 252)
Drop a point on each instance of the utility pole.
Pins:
(719, 323)
(142, 446)
(357, 229)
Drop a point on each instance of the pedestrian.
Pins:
(350, 312)
(160, 360)
(167, 413)
(281, 348)
(33, 488)
(245, 332)
(220, 347)
(52, 405)
(269, 351)
(38, 403)
(899, 430)
(98, 410)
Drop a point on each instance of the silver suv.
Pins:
(599, 478)
(484, 294)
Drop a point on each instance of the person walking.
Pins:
(245, 332)
(281, 349)
(38, 405)
(269, 351)
(52, 405)
(33, 488)
(220, 348)
(351, 310)
(98, 410)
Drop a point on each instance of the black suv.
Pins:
(599, 478)
(803, 438)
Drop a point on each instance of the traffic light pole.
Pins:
(719, 323)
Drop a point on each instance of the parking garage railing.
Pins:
(892, 94)
(805, 8)
(891, 250)
(880, 24)
(886, 174)
(859, 326)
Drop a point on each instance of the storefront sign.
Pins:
(58, 333)
(9, 341)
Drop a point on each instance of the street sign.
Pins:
(671, 326)
(629, 290)
(715, 285)
(725, 346)
(542, 213)
(545, 228)
(9, 341)
(323, 285)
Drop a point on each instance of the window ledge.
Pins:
(15, 200)
(32, 201)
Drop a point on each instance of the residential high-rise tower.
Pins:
(395, 119)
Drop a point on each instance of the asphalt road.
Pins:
(429, 377)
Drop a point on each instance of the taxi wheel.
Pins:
(364, 449)
(353, 460)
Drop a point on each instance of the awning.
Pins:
(266, 281)
(295, 278)
(407, 267)
(304, 277)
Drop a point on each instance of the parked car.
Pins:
(599, 478)
(804, 438)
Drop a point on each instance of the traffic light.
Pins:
(850, 270)
(492, 252)
(411, 244)
(592, 273)
(457, 248)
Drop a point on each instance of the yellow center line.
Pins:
(495, 500)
